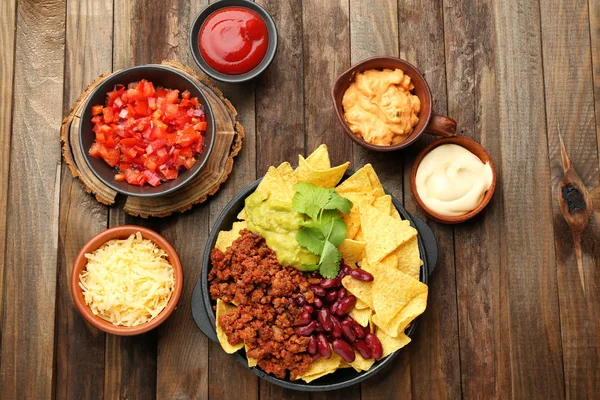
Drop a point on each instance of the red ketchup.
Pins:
(233, 40)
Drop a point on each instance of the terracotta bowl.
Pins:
(474, 148)
(429, 122)
(123, 232)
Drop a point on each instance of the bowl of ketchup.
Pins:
(233, 40)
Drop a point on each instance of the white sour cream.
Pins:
(451, 181)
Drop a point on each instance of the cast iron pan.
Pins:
(205, 316)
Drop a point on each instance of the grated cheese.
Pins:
(127, 282)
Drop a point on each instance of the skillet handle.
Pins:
(200, 315)
(429, 242)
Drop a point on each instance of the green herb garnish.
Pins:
(323, 228)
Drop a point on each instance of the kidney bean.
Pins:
(329, 283)
(336, 332)
(360, 333)
(363, 349)
(325, 319)
(343, 349)
(304, 319)
(308, 309)
(342, 293)
(345, 305)
(306, 330)
(318, 303)
(315, 357)
(300, 300)
(361, 275)
(290, 300)
(315, 274)
(333, 307)
(331, 296)
(346, 269)
(323, 345)
(312, 345)
(374, 345)
(319, 327)
(318, 290)
(348, 331)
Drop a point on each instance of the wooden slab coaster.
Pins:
(228, 142)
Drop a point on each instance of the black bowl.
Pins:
(161, 76)
(205, 316)
(208, 70)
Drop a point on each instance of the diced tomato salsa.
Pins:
(148, 134)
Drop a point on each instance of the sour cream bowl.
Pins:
(474, 148)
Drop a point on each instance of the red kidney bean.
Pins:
(312, 346)
(325, 319)
(360, 333)
(315, 357)
(306, 330)
(304, 319)
(315, 274)
(301, 300)
(329, 283)
(361, 275)
(374, 345)
(318, 302)
(345, 305)
(342, 293)
(331, 296)
(346, 269)
(308, 309)
(367, 330)
(343, 349)
(323, 345)
(333, 307)
(336, 332)
(348, 331)
(363, 349)
(318, 290)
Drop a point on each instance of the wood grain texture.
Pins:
(530, 317)
(79, 346)
(434, 352)
(594, 15)
(567, 58)
(7, 53)
(473, 101)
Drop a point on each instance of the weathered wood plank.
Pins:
(79, 346)
(33, 194)
(473, 102)
(594, 15)
(7, 60)
(567, 60)
(528, 289)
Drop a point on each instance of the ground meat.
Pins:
(249, 275)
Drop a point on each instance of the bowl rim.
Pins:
(272, 40)
(351, 72)
(296, 385)
(122, 232)
(182, 182)
(470, 145)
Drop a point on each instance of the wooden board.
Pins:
(228, 142)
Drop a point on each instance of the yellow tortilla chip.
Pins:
(242, 215)
(394, 213)
(352, 221)
(360, 236)
(344, 364)
(276, 192)
(360, 364)
(382, 233)
(252, 362)
(398, 324)
(287, 174)
(323, 366)
(326, 178)
(352, 251)
(373, 178)
(309, 379)
(226, 238)
(409, 260)
(384, 204)
(393, 292)
(319, 159)
(357, 183)
(362, 316)
(390, 261)
(222, 309)
(391, 344)
(360, 305)
(362, 290)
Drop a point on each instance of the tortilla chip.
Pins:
(391, 344)
(352, 221)
(288, 175)
(362, 316)
(242, 215)
(362, 290)
(382, 233)
(222, 309)
(357, 183)
(360, 364)
(398, 324)
(360, 237)
(393, 292)
(309, 379)
(226, 238)
(360, 305)
(322, 366)
(344, 364)
(384, 204)
(409, 260)
(373, 178)
(271, 185)
(319, 159)
(394, 212)
(326, 178)
(352, 251)
(390, 261)
(252, 362)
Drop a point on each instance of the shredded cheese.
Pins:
(127, 282)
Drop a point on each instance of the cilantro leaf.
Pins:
(330, 261)
(337, 202)
(312, 239)
(311, 267)
(337, 232)
(310, 199)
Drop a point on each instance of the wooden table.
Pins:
(507, 315)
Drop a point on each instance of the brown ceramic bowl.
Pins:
(123, 232)
(474, 148)
(428, 121)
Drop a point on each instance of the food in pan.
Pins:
(379, 106)
(346, 287)
(233, 40)
(127, 282)
(148, 134)
(452, 181)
